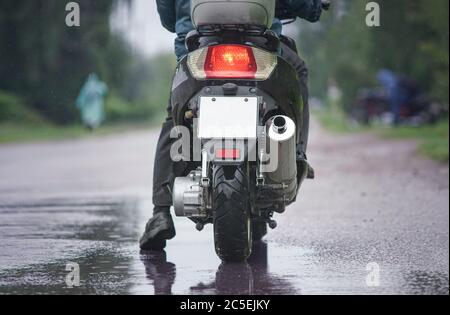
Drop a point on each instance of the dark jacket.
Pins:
(176, 16)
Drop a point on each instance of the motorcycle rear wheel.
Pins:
(232, 218)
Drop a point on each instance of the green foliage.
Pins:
(13, 132)
(434, 140)
(118, 110)
(412, 40)
(147, 86)
(337, 121)
(13, 109)
(46, 62)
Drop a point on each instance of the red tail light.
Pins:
(230, 61)
(228, 154)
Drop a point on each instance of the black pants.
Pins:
(165, 170)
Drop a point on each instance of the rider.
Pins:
(175, 17)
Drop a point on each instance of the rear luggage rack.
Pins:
(252, 36)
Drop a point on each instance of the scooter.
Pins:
(241, 105)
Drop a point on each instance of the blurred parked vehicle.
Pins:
(412, 108)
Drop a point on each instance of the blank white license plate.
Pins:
(228, 117)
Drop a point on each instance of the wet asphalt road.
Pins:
(87, 201)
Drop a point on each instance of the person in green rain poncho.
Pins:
(90, 102)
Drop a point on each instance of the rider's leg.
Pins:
(160, 227)
(302, 72)
(163, 169)
(299, 65)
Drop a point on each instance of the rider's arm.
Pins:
(166, 10)
(309, 10)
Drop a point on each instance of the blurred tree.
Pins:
(413, 40)
(46, 62)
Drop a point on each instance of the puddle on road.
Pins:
(100, 234)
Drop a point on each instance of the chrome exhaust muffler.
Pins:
(281, 136)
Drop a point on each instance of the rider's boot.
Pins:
(158, 230)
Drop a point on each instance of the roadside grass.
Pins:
(18, 133)
(337, 122)
(20, 123)
(433, 139)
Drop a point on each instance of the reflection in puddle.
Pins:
(38, 238)
(421, 282)
(161, 272)
(252, 278)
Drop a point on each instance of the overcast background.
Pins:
(142, 27)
